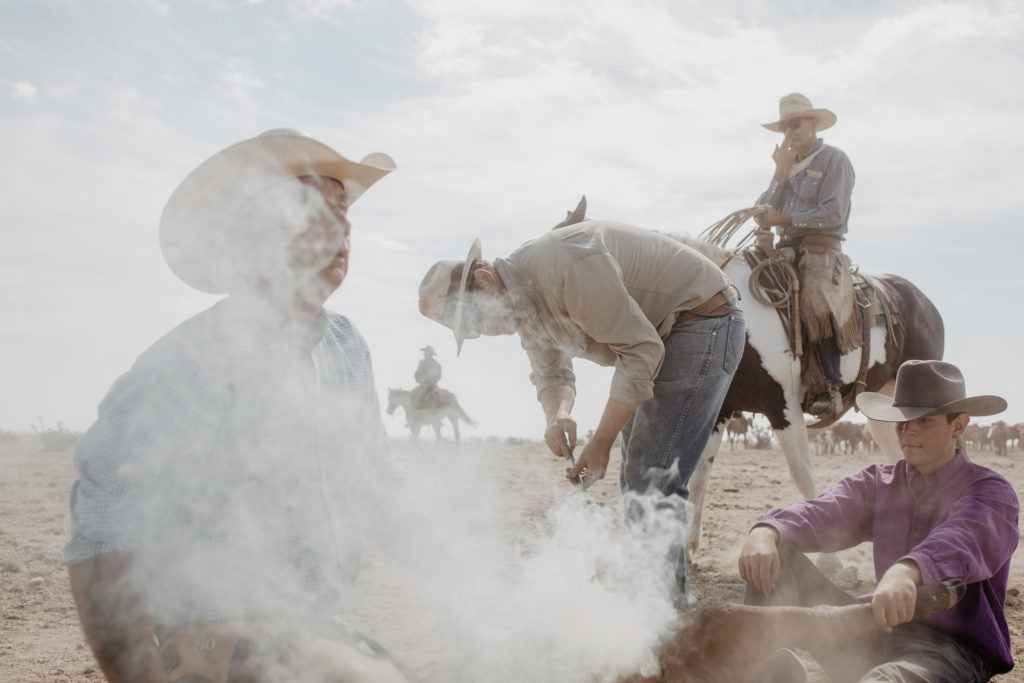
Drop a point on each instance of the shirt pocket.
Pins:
(806, 187)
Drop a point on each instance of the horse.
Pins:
(768, 379)
(737, 427)
(437, 405)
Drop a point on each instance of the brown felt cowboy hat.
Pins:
(194, 228)
(446, 304)
(927, 387)
(797, 106)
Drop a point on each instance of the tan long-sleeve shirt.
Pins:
(604, 291)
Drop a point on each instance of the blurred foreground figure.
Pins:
(223, 489)
(657, 310)
(932, 516)
(808, 202)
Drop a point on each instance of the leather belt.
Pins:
(718, 305)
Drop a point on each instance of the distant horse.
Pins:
(737, 427)
(768, 379)
(437, 405)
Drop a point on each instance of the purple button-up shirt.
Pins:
(958, 523)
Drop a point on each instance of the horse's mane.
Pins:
(713, 252)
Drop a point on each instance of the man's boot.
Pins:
(829, 403)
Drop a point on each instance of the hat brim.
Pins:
(879, 407)
(826, 119)
(192, 226)
(458, 322)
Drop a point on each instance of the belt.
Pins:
(718, 305)
(811, 239)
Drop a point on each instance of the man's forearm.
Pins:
(112, 612)
(557, 400)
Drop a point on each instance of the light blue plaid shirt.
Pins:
(238, 460)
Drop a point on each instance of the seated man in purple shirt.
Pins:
(932, 516)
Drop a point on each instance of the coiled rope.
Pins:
(721, 232)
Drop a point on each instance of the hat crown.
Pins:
(793, 104)
(928, 384)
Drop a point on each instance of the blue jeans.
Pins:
(663, 442)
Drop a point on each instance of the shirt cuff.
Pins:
(630, 390)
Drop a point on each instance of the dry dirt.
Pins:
(39, 635)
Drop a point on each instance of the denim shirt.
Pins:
(960, 522)
(237, 461)
(818, 197)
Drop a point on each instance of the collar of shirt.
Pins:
(940, 477)
(520, 293)
(263, 318)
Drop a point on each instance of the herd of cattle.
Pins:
(850, 437)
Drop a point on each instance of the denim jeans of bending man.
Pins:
(662, 443)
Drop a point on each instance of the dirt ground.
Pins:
(39, 635)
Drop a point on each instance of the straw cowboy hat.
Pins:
(447, 308)
(796, 106)
(195, 233)
(927, 387)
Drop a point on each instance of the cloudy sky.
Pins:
(499, 115)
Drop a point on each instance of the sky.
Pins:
(499, 116)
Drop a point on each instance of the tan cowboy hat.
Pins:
(194, 234)
(437, 303)
(429, 350)
(927, 387)
(794, 106)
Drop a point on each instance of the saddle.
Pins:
(774, 282)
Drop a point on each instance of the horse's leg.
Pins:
(884, 433)
(698, 485)
(454, 419)
(797, 450)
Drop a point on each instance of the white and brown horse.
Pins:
(768, 379)
(436, 406)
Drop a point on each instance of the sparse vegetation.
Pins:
(58, 438)
(7, 437)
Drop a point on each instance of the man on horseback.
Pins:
(808, 204)
(659, 311)
(428, 374)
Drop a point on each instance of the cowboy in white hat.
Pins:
(620, 296)
(222, 487)
(808, 204)
(932, 516)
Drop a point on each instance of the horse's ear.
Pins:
(577, 215)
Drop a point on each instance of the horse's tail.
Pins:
(463, 416)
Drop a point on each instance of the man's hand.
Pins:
(784, 156)
(773, 217)
(560, 436)
(896, 594)
(759, 561)
(592, 463)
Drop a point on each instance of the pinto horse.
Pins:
(768, 379)
(438, 404)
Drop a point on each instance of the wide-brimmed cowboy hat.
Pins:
(429, 350)
(927, 387)
(796, 106)
(194, 234)
(444, 306)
